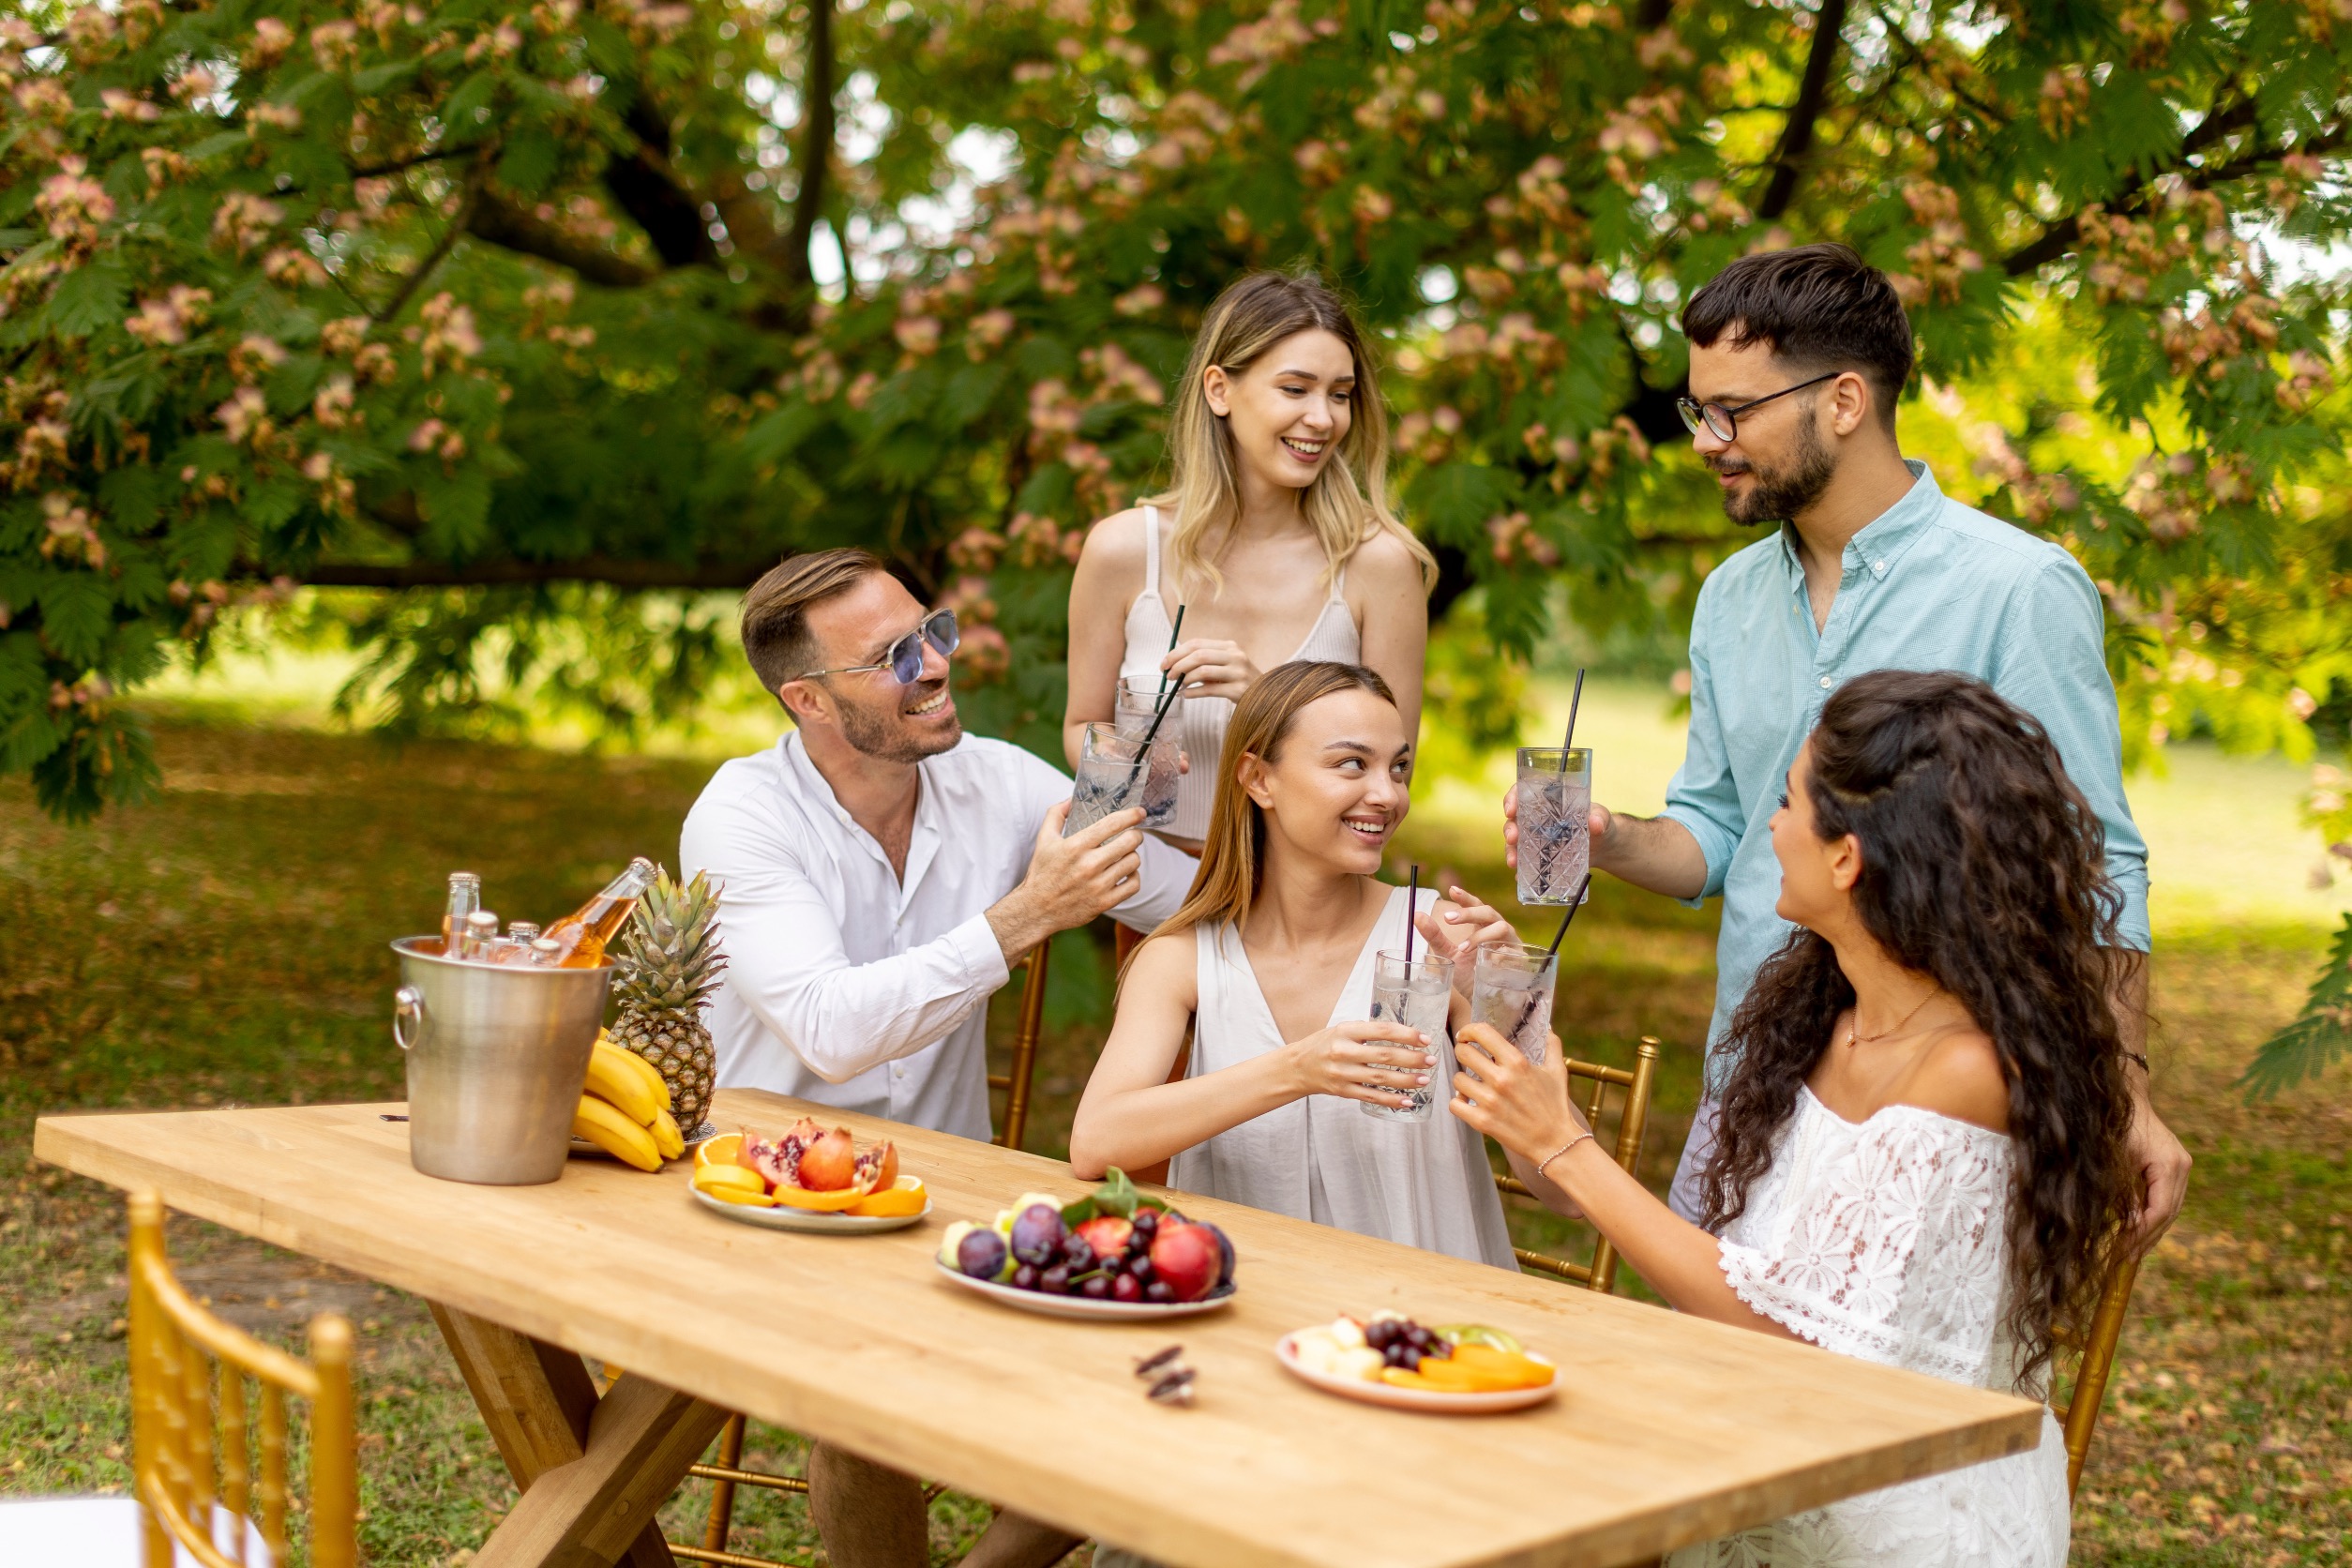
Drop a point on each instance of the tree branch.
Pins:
(2066, 234)
(456, 225)
(1652, 15)
(2224, 119)
(816, 152)
(650, 193)
(509, 573)
(1795, 138)
(504, 224)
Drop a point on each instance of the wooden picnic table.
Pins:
(1667, 1430)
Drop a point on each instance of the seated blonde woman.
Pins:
(1268, 963)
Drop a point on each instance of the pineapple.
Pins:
(668, 964)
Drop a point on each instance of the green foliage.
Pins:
(2320, 1034)
(505, 314)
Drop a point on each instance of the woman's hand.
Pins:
(1522, 1106)
(1211, 667)
(1455, 927)
(1365, 1059)
(1459, 923)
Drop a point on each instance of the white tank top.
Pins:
(1425, 1183)
(1201, 721)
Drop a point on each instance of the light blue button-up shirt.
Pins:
(1929, 584)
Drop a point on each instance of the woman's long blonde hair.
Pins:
(1347, 503)
(1232, 856)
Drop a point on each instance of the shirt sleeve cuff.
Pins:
(2131, 923)
(1713, 843)
(981, 955)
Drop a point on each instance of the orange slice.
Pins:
(904, 1197)
(823, 1203)
(719, 1152)
(1396, 1377)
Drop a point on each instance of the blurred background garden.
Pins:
(394, 399)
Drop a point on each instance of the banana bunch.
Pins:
(625, 1111)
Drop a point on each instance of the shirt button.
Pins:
(1878, 567)
(1826, 683)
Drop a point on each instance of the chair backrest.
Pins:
(2079, 1415)
(195, 1444)
(1632, 1118)
(1024, 1067)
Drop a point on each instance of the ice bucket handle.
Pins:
(408, 1016)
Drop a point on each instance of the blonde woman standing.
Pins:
(1268, 963)
(1275, 535)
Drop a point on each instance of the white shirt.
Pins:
(848, 985)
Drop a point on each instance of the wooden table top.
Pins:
(1667, 1430)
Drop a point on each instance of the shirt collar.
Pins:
(1882, 541)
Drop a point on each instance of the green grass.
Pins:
(225, 945)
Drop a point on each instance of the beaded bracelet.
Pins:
(1562, 1148)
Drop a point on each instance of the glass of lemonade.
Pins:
(1554, 822)
(1414, 993)
(1117, 771)
(1512, 986)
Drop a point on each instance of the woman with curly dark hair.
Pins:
(1924, 1159)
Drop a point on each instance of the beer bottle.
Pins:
(543, 954)
(465, 897)
(579, 937)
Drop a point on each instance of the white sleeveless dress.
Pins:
(1887, 1240)
(1201, 721)
(1426, 1184)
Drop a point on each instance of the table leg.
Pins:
(592, 1472)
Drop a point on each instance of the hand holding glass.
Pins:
(1118, 771)
(1554, 822)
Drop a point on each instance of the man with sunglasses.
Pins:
(879, 873)
(1796, 360)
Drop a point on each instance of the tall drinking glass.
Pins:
(1116, 772)
(1554, 822)
(1512, 985)
(1414, 994)
(1139, 700)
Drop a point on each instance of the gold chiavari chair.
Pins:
(726, 1471)
(1633, 1117)
(1024, 1064)
(194, 1439)
(2095, 1352)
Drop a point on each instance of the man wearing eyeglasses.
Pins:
(1797, 358)
(880, 872)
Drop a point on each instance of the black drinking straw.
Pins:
(1159, 698)
(1553, 952)
(1570, 738)
(1161, 703)
(1412, 904)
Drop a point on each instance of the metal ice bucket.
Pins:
(497, 1056)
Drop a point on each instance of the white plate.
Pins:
(703, 1135)
(1080, 1306)
(812, 1222)
(1415, 1398)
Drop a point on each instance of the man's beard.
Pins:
(879, 733)
(1777, 495)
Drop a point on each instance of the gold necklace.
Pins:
(1854, 1036)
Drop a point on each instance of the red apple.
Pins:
(1188, 1258)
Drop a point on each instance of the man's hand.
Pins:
(1070, 880)
(2164, 1168)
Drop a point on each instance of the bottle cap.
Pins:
(482, 923)
(523, 930)
(547, 947)
(472, 877)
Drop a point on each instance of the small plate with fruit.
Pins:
(1453, 1369)
(810, 1180)
(1111, 1254)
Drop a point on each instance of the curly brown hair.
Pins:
(1983, 868)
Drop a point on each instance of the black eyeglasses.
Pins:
(1725, 422)
(905, 657)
